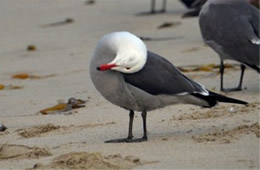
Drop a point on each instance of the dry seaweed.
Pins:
(2, 86)
(60, 23)
(29, 76)
(90, 2)
(168, 24)
(31, 48)
(65, 107)
(159, 38)
(205, 67)
(10, 87)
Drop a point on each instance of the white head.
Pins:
(130, 52)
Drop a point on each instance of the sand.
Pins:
(48, 45)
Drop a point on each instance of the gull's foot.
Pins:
(150, 13)
(127, 140)
(232, 89)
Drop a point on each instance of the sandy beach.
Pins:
(44, 60)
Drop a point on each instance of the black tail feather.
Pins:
(214, 98)
(222, 98)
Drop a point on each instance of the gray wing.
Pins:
(234, 28)
(159, 76)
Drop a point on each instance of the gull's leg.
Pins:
(144, 113)
(152, 6)
(221, 70)
(164, 6)
(239, 87)
(130, 133)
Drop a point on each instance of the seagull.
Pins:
(231, 28)
(136, 79)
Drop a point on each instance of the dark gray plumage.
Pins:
(231, 28)
(161, 82)
(129, 76)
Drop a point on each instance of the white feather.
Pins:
(131, 52)
(256, 41)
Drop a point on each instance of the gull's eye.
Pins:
(127, 68)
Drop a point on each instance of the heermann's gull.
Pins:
(130, 76)
(231, 28)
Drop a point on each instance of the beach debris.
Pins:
(226, 136)
(231, 109)
(60, 23)
(21, 76)
(205, 67)
(37, 130)
(90, 2)
(31, 48)
(220, 112)
(2, 86)
(30, 76)
(159, 38)
(46, 129)
(10, 87)
(72, 103)
(95, 160)
(2, 127)
(190, 49)
(168, 24)
(22, 152)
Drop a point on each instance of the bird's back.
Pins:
(229, 27)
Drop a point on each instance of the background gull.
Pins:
(194, 5)
(231, 28)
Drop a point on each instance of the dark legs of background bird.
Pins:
(130, 130)
(153, 7)
(239, 87)
(164, 6)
